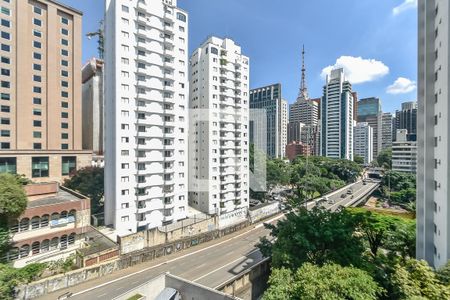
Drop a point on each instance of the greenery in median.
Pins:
(400, 189)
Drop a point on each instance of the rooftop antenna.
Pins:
(303, 93)
(101, 40)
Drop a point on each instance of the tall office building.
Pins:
(433, 125)
(93, 106)
(363, 136)
(404, 152)
(336, 114)
(369, 110)
(41, 90)
(295, 130)
(146, 101)
(219, 118)
(406, 118)
(386, 130)
(269, 98)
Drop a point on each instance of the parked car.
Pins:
(343, 195)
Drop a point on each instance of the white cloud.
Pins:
(401, 86)
(357, 69)
(407, 4)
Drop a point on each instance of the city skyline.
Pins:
(386, 60)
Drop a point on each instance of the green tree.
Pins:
(384, 159)
(89, 181)
(443, 274)
(329, 282)
(358, 159)
(317, 236)
(13, 200)
(10, 278)
(415, 279)
(278, 172)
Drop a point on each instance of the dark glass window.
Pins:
(69, 164)
(39, 167)
(8, 165)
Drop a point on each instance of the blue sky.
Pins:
(374, 40)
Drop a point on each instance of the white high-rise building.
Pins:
(146, 102)
(219, 118)
(404, 152)
(283, 127)
(336, 115)
(433, 126)
(363, 145)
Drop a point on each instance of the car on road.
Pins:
(330, 201)
(349, 192)
(343, 195)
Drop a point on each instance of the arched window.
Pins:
(24, 251)
(14, 227)
(35, 248)
(24, 224)
(13, 254)
(35, 222)
(45, 245)
(72, 238)
(64, 214)
(54, 243)
(72, 213)
(55, 216)
(44, 220)
(63, 244)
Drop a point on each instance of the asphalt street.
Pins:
(211, 264)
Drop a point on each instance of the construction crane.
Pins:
(101, 40)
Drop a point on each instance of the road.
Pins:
(209, 264)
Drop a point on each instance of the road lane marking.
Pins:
(175, 259)
(232, 262)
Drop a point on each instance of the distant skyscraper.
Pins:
(363, 136)
(369, 110)
(406, 118)
(269, 98)
(93, 106)
(433, 124)
(386, 130)
(294, 132)
(146, 101)
(219, 142)
(404, 152)
(355, 106)
(336, 115)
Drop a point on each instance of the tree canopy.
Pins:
(384, 159)
(317, 236)
(327, 282)
(89, 181)
(13, 200)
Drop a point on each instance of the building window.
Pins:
(37, 89)
(37, 101)
(64, 42)
(64, 115)
(125, 8)
(64, 94)
(5, 11)
(37, 78)
(5, 60)
(37, 134)
(64, 146)
(37, 123)
(69, 164)
(5, 108)
(37, 67)
(64, 20)
(37, 33)
(37, 146)
(5, 145)
(6, 23)
(4, 121)
(37, 44)
(65, 104)
(5, 35)
(5, 96)
(39, 167)
(65, 125)
(8, 165)
(37, 112)
(6, 48)
(181, 17)
(64, 52)
(5, 72)
(64, 73)
(64, 63)
(64, 31)
(64, 136)
(37, 56)
(37, 10)
(64, 83)
(5, 133)
(5, 84)
(37, 22)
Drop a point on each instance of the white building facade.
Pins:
(336, 115)
(146, 84)
(219, 133)
(433, 126)
(284, 127)
(404, 153)
(363, 145)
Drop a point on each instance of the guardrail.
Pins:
(362, 197)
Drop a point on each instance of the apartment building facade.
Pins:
(336, 115)
(404, 152)
(40, 89)
(146, 101)
(363, 145)
(269, 98)
(219, 133)
(433, 125)
(369, 110)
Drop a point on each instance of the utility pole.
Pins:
(101, 40)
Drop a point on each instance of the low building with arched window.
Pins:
(52, 227)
